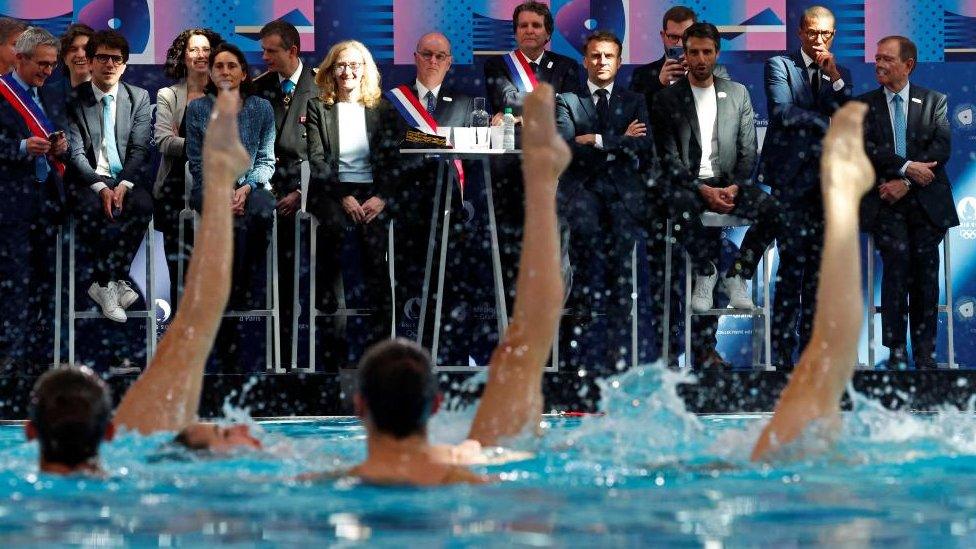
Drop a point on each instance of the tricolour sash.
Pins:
(30, 111)
(417, 116)
(520, 71)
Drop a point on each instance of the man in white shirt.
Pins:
(109, 137)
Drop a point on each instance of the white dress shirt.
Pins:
(838, 85)
(294, 76)
(905, 99)
(101, 166)
(593, 87)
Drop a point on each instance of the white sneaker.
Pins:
(701, 298)
(737, 289)
(127, 296)
(108, 299)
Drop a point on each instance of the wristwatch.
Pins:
(908, 183)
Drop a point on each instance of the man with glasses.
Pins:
(32, 119)
(108, 134)
(288, 85)
(803, 90)
(412, 202)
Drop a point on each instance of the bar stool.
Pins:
(873, 309)
(761, 316)
(271, 312)
(73, 315)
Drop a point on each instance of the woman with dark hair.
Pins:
(73, 57)
(252, 202)
(350, 147)
(187, 62)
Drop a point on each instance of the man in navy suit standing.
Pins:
(907, 139)
(803, 90)
(602, 198)
(34, 149)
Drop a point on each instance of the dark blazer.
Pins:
(927, 139)
(646, 79)
(797, 123)
(678, 136)
(291, 147)
(560, 71)
(23, 198)
(133, 128)
(322, 123)
(632, 157)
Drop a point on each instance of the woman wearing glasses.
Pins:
(187, 62)
(350, 148)
(251, 202)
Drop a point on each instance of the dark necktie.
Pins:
(815, 78)
(602, 109)
(534, 66)
(431, 102)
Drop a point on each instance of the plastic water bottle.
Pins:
(508, 130)
(480, 123)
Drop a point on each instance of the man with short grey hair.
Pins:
(10, 30)
(32, 162)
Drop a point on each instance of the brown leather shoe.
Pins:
(711, 360)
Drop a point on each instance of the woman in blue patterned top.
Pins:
(252, 202)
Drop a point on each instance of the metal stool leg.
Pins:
(633, 305)
(871, 309)
(950, 312)
(688, 289)
(71, 291)
(666, 293)
(58, 282)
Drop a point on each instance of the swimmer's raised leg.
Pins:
(827, 363)
(167, 395)
(512, 399)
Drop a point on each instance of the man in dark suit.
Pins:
(648, 80)
(109, 131)
(602, 198)
(288, 85)
(907, 139)
(533, 25)
(32, 165)
(413, 199)
(705, 132)
(803, 90)
(672, 67)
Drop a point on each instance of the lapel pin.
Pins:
(447, 99)
(722, 95)
(549, 66)
(916, 100)
(824, 76)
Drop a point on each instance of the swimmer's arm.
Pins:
(513, 395)
(167, 395)
(827, 363)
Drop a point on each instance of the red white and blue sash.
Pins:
(417, 116)
(28, 109)
(520, 71)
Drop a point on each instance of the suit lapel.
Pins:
(589, 109)
(882, 118)
(543, 75)
(123, 120)
(916, 102)
(690, 112)
(800, 73)
(332, 128)
(724, 120)
(442, 111)
(92, 113)
(302, 92)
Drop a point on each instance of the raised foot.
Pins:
(846, 171)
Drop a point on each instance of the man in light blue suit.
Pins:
(803, 90)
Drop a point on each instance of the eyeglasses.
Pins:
(428, 55)
(205, 51)
(813, 34)
(674, 37)
(46, 65)
(104, 58)
(340, 68)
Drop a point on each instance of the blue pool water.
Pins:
(646, 473)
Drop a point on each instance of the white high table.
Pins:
(445, 175)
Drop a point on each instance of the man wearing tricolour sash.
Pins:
(508, 78)
(424, 105)
(32, 150)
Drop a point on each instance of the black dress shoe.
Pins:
(711, 360)
(925, 362)
(897, 359)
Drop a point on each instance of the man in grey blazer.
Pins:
(705, 132)
(110, 169)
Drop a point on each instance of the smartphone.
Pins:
(56, 136)
(674, 52)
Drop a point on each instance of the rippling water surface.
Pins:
(647, 472)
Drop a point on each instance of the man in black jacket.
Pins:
(287, 85)
(908, 213)
(602, 199)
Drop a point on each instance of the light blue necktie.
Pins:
(108, 136)
(41, 167)
(287, 86)
(899, 113)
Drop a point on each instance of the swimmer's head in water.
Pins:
(397, 388)
(217, 438)
(69, 415)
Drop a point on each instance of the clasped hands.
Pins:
(918, 172)
(365, 212)
(635, 129)
(719, 199)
